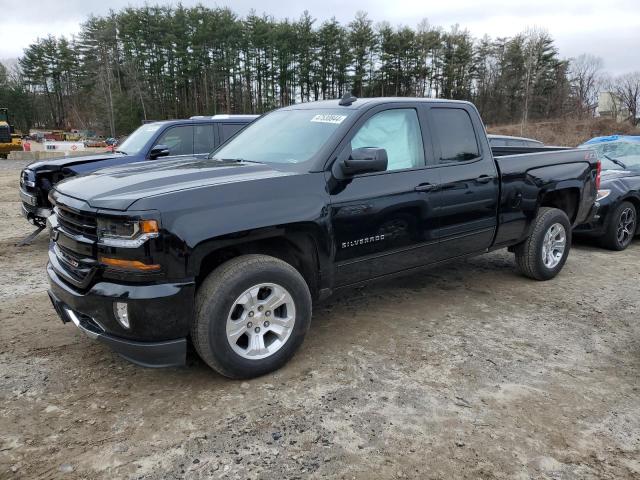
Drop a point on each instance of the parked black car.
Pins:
(231, 250)
(614, 221)
(197, 136)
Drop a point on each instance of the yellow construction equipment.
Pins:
(10, 140)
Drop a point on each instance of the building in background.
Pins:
(611, 106)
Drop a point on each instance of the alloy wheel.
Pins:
(626, 226)
(261, 321)
(554, 245)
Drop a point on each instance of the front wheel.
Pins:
(252, 314)
(543, 254)
(621, 227)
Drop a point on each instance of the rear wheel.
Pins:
(544, 253)
(621, 228)
(252, 314)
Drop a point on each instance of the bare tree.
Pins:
(585, 77)
(627, 88)
(538, 51)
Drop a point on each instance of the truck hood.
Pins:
(118, 188)
(56, 164)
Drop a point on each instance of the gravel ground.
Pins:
(466, 372)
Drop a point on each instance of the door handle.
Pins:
(425, 187)
(484, 179)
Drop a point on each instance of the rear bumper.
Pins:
(92, 313)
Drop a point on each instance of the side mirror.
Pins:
(364, 160)
(158, 151)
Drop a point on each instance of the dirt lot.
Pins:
(466, 372)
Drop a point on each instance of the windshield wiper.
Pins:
(232, 160)
(120, 151)
(615, 160)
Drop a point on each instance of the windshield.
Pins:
(138, 139)
(289, 136)
(619, 155)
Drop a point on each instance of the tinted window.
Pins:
(398, 132)
(203, 141)
(178, 139)
(498, 142)
(454, 130)
(228, 130)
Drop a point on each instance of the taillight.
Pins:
(598, 172)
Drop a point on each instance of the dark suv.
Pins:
(197, 136)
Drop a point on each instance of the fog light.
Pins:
(121, 311)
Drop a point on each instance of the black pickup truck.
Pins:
(230, 251)
(197, 136)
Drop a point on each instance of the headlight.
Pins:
(602, 194)
(27, 178)
(126, 233)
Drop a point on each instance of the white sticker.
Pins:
(326, 118)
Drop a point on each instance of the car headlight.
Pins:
(602, 194)
(126, 233)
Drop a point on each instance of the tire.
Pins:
(530, 254)
(614, 238)
(244, 286)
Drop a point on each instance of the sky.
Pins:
(609, 29)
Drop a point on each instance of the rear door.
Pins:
(383, 222)
(466, 202)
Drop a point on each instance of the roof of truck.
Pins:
(206, 119)
(361, 102)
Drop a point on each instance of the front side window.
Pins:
(398, 132)
(178, 139)
(454, 132)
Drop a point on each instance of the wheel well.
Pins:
(566, 200)
(299, 252)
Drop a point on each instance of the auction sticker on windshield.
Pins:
(326, 118)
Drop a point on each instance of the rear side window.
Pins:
(228, 130)
(455, 134)
(203, 140)
(178, 139)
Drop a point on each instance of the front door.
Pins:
(384, 222)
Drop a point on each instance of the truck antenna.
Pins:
(347, 99)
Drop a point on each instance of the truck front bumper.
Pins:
(93, 313)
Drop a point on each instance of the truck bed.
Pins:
(503, 151)
(523, 162)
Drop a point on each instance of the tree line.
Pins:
(158, 62)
